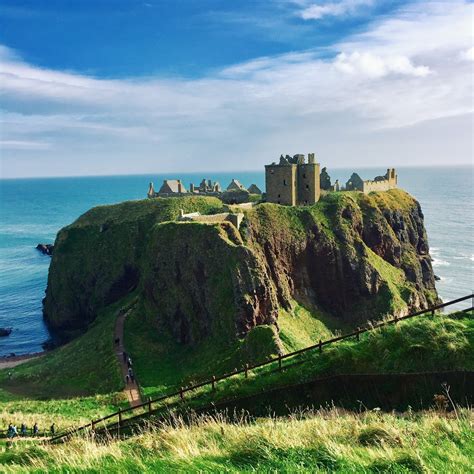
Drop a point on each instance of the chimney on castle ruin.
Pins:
(151, 191)
(311, 158)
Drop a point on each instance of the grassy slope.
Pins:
(318, 442)
(422, 344)
(161, 363)
(85, 366)
(70, 385)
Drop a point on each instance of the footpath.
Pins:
(131, 388)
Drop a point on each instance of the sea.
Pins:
(33, 210)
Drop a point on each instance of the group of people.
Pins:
(130, 376)
(12, 431)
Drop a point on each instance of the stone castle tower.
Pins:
(293, 181)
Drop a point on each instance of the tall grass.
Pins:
(315, 441)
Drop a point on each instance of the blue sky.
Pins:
(123, 38)
(116, 87)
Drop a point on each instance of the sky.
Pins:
(102, 87)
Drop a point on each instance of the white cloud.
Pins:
(467, 55)
(319, 10)
(375, 66)
(23, 145)
(402, 72)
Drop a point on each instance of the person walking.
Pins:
(23, 430)
(127, 379)
(53, 429)
(125, 356)
(35, 429)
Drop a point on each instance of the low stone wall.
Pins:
(385, 185)
(235, 219)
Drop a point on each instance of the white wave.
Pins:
(437, 262)
(29, 229)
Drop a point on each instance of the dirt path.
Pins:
(131, 389)
(9, 362)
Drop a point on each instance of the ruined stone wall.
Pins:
(382, 185)
(308, 184)
(280, 182)
(235, 219)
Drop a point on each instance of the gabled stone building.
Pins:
(254, 189)
(293, 181)
(236, 185)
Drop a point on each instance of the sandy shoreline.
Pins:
(9, 362)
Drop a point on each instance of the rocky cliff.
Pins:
(354, 256)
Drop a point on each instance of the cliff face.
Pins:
(354, 256)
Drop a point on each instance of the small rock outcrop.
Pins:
(46, 249)
(4, 332)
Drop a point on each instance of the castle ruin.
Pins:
(380, 183)
(176, 188)
(293, 181)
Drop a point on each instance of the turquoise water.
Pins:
(33, 210)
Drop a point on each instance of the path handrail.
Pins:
(369, 327)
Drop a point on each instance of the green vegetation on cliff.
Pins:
(211, 298)
(206, 299)
(425, 344)
(97, 259)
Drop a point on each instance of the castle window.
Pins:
(284, 182)
(304, 175)
(272, 171)
(307, 187)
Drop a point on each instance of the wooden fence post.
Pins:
(279, 361)
(213, 382)
(246, 371)
(149, 405)
(432, 312)
(120, 417)
(181, 394)
(320, 346)
(358, 334)
(92, 426)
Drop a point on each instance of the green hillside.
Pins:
(325, 441)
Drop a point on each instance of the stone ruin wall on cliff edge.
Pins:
(235, 219)
(382, 185)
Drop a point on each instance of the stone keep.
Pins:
(293, 181)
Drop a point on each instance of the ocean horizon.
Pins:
(33, 210)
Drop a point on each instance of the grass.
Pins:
(64, 413)
(161, 363)
(86, 366)
(439, 343)
(70, 385)
(321, 441)
(301, 328)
